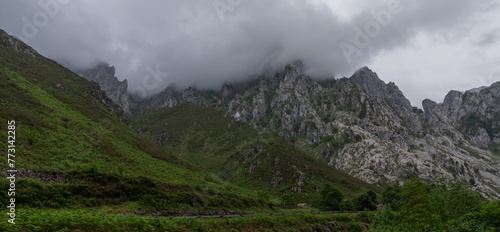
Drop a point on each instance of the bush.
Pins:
(263, 195)
(287, 199)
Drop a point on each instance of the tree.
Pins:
(372, 195)
(392, 197)
(417, 205)
(347, 205)
(331, 197)
(491, 213)
(455, 200)
(364, 202)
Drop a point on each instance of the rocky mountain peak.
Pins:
(453, 98)
(390, 92)
(494, 89)
(295, 80)
(104, 75)
(369, 80)
(365, 127)
(297, 66)
(11, 42)
(477, 90)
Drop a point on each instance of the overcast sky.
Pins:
(427, 47)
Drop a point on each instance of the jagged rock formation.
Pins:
(116, 90)
(366, 127)
(17, 45)
(472, 116)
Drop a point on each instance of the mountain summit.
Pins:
(367, 127)
(104, 75)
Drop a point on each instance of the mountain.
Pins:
(82, 164)
(75, 151)
(365, 127)
(104, 75)
(474, 116)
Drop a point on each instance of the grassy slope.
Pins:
(77, 157)
(239, 154)
(79, 154)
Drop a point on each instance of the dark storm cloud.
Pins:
(197, 45)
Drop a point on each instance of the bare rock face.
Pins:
(116, 90)
(367, 128)
(471, 116)
(102, 97)
(9, 41)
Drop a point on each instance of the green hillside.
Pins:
(72, 151)
(241, 155)
(80, 165)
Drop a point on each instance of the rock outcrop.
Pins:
(17, 45)
(116, 90)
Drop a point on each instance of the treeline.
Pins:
(332, 199)
(416, 206)
(437, 207)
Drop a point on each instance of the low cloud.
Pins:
(206, 43)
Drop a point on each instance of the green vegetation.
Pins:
(83, 168)
(495, 149)
(78, 159)
(73, 152)
(438, 207)
(98, 220)
(472, 121)
(331, 197)
(366, 201)
(362, 112)
(392, 196)
(208, 139)
(108, 158)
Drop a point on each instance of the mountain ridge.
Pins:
(359, 125)
(347, 119)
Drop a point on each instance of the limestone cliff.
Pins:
(367, 128)
(116, 90)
